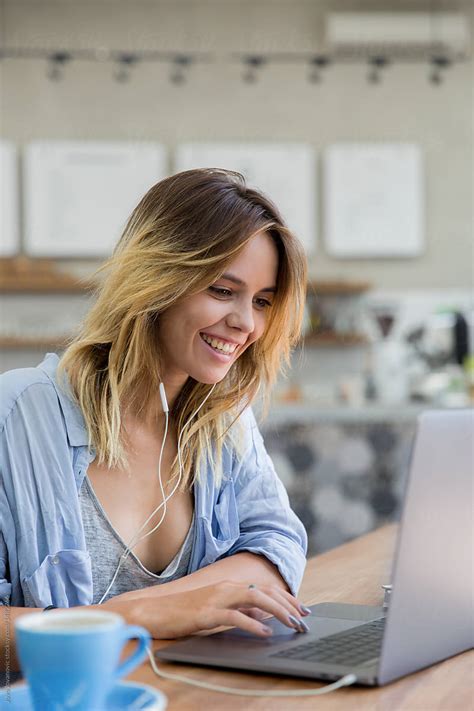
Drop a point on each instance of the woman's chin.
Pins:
(210, 378)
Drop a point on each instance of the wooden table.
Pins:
(353, 573)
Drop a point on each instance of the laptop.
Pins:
(430, 614)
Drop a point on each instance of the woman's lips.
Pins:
(220, 338)
(223, 357)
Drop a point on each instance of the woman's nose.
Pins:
(242, 317)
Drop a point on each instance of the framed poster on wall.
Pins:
(9, 200)
(79, 194)
(373, 200)
(286, 172)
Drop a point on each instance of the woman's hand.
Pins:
(227, 604)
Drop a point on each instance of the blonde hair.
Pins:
(179, 240)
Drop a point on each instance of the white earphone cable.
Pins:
(346, 680)
(179, 476)
(136, 538)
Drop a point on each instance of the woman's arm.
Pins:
(206, 608)
(268, 527)
(240, 568)
(177, 614)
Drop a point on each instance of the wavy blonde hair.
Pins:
(178, 241)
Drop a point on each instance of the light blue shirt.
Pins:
(44, 456)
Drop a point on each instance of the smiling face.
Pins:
(203, 335)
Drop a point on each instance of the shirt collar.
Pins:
(75, 423)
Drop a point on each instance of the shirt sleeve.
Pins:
(39, 507)
(268, 526)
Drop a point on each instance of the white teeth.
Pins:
(219, 345)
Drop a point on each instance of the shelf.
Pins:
(322, 340)
(11, 343)
(8, 286)
(24, 275)
(328, 339)
(337, 288)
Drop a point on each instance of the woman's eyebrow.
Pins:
(239, 282)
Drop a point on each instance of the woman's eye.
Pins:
(220, 291)
(223, 293)
(263, 303)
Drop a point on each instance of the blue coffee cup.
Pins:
(70, 658)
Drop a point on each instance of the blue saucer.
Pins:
(124, 695)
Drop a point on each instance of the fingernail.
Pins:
(295, 620)
(306, 610)
(304, 625)
(266, 630)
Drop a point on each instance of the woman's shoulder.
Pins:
(243, 427)
(26, 386)
(247, 419)
(250, 424)
(247, 443)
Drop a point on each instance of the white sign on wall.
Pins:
(79, 194)
(285, 172)
(9, 204)
(373, 200)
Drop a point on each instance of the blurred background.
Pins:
(355, 116)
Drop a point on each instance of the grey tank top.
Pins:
(105, 547)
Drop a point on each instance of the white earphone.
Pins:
(137, 538)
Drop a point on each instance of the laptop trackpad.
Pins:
(326, 619)
(347, 611)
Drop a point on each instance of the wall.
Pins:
(336, 495)
(216, 105)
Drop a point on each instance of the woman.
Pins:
(203, 299)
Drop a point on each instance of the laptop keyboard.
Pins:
(350, 648)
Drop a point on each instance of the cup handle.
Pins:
(143, 637)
